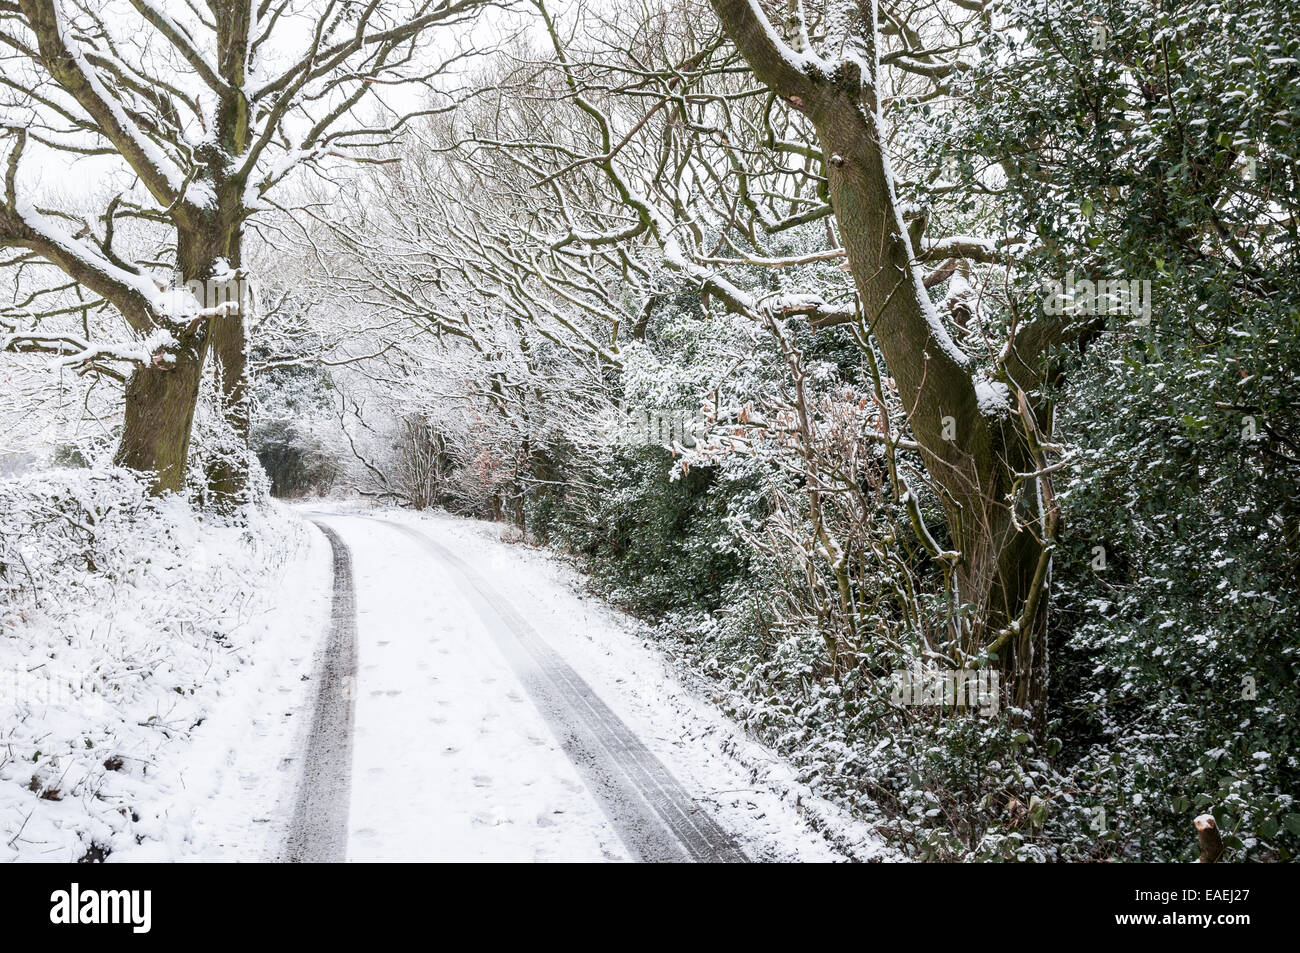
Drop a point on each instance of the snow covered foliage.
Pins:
(715, 544)
(1174, 642)
(126, 623)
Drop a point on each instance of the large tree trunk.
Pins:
(228, 473)
(160, 404)
(972, 449)
(161, 400)
(971, 452)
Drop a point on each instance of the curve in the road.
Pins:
(318, 831)
(654, 816)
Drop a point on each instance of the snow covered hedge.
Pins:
(123, 622)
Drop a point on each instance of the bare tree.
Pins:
(209, 108)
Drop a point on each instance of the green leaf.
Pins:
(1292, 822)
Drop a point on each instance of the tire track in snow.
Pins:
(653, 814)
(318, 831)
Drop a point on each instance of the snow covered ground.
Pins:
(158, 707)
(150, 708)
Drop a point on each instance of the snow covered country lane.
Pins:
(471, 705)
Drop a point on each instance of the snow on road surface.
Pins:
(462, 751)
(450, 759)
(656, 819)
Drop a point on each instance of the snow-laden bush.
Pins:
(121, 616)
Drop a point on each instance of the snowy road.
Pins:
(654, 817)
(474, 739)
